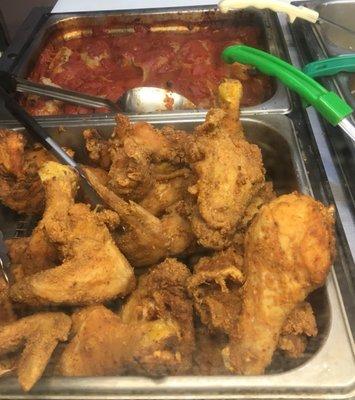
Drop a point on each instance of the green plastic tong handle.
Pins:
(328, 104)
(330, 66)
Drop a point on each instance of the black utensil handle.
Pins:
(35, 129)
(25, 86)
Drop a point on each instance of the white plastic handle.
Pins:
(292, 11)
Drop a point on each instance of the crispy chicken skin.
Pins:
(20, 186)
(93, 268)
(162, 295)
(38, 335)
(130, 153)
(103, 345)
(145, 239)
(289, 249)
(215, 289)
(153, 334)
(229, 171)
(299, 325)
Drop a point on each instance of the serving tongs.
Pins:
(136, 100)
(335, 110)
(284, 6)
(40, 135)
(330, 66)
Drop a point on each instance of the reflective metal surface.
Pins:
(65, 27)
(143, 100)
(329, 363)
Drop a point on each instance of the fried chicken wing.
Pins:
(38, 335)
(93, 268)
(289, 249)
(145, 239)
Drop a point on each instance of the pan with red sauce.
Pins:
(185, 62)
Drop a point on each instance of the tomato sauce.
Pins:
(186, 62)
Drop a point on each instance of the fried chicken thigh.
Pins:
(38, 335)
(162, 295)
(93, 268)
(289, 249)
(153, 335)
(103, 345)
(229, 171)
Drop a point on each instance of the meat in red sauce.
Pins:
(186, 62)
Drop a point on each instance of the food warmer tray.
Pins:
(327, 370)
(21, 55)
(316, 42)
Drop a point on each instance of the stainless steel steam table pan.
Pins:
(21, 55)
(326, 371)
(325, 40)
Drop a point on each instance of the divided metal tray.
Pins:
(22, 53)
(327, 370)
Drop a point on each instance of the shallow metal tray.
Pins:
(326, 371)
(332, 41)
(312, 45)
(20, 57)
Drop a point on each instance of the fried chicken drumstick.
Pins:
(289, 249)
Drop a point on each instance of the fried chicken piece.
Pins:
(103, 345)
(130, 153)
(162, 295)
(230, 171)
(299, 325)
(215, 289)
(20, 186)
(289, 249)
(145, 239)
(93, 268)
(39, 335)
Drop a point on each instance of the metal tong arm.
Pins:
(292, 11)
(25, 86)
(43, 137)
